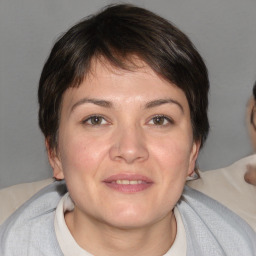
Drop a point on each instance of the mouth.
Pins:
(128, 183)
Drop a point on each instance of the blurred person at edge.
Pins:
(250, 175)
(123, 103)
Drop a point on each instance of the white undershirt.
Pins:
(70, 247)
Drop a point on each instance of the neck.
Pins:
(103, 239)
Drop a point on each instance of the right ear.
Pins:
(54, 161)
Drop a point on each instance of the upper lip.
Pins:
(124, 176)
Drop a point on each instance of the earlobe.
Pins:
(54, 161)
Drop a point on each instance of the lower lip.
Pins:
(127, 188)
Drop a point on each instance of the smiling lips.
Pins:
(128, 183)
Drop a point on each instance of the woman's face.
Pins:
(125, 146)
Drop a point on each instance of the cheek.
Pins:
(80, 155)
(173, 152)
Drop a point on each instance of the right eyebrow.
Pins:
(98, 102)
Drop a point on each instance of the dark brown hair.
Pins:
(254, 91)
(116, 34)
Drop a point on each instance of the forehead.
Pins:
(137, 82)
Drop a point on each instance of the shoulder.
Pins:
(213, 227)
(13, 197)
(30, 230)
(227, 185)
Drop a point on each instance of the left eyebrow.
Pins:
(159, 102)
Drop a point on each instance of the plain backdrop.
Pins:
(224, 31)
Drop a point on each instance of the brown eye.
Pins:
(160, 120)
(95, 120)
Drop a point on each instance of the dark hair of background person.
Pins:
(254, 91)
(252, 115)
(117, 34)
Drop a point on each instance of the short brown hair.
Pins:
(117, 33)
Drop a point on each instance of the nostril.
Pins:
(129, 150)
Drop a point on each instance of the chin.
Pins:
(129, 219)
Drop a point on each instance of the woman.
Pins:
(123, 108)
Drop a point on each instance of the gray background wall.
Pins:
(224, 31)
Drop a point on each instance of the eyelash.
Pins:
(166, 119)
(101, 118)
(90, 118)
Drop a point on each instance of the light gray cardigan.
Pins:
(211, 229)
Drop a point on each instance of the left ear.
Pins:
(54, 161)
(193, 156)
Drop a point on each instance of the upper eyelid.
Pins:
(161, 115)
(150, 118)
(85, 119)
(167, 117)
(170, 119)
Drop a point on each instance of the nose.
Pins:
(129, 145)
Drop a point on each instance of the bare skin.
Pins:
(250, 175)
